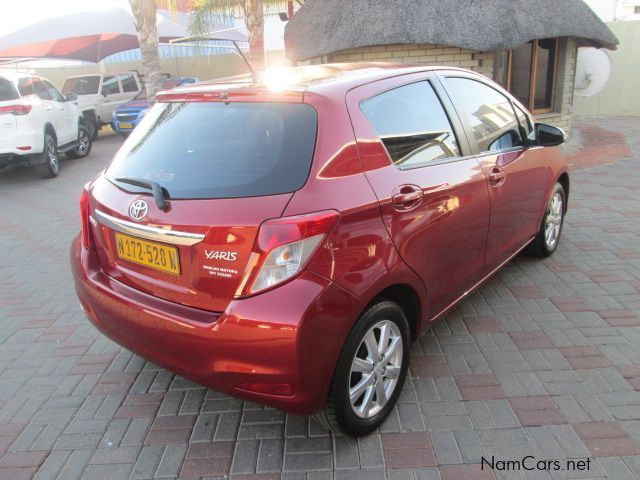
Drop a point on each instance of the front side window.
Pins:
(128, 83)
(88, 85)
(525, 123)
(490, 114)
(412, 124)
(221, 150)
(110, 85)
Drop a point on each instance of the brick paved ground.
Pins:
(544, 360)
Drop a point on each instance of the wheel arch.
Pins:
(90, 114)
(48, 128)
(408, 299)
(566, 185)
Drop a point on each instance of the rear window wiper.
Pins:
(160, 194)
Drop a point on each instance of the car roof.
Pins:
(340, 77)
(14, 76)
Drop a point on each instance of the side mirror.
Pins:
(549, 136)
(71, 97)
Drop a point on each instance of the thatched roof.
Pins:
(322, 27)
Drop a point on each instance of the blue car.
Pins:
(128, 115)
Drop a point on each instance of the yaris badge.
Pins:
(138, 210)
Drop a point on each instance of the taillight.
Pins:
(283, 248)
(84, 219)
(16, 109)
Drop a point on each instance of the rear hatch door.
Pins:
(8, 98)
(224, 168)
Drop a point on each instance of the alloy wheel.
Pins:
(83, 142)
(375, 369)
(553, 221)
(52, 156)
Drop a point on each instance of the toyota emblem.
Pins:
(138, 210)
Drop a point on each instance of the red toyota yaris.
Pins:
(285, 240)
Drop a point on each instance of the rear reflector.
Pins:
(16, 109)
(24, 149)
(277, 389)
(84, 219)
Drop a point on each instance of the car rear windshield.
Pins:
(220, 150)
(7, 90)
(82, 85)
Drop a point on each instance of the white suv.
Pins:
(37, 123)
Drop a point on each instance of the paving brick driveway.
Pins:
(544, 361)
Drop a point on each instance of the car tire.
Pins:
(84, 143)
(48, 162)
(92, 127)
(363, 375)
(546, 241)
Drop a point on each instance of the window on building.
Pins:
(636, 10)
(412, 124)
(490, 114)
(530, 73)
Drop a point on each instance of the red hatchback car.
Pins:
(285, 240)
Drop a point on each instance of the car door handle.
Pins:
(407, 197)
(48, 109)
(497, 176)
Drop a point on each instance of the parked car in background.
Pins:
(38, 123)
(100, 94)
(126, 117)
(285, 240)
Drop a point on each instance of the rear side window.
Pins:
(7, 90)
(218, 150)
(40, 89)
(26, 87)
(491, 115)
(412, 124)
(128, 83)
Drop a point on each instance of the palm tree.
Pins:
(145, 15)
(251, 10)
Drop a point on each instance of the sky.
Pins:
(16, 15)
(19, 14)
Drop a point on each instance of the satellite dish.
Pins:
(593, 71)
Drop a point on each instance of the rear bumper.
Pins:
(291, 335)
(18, 143)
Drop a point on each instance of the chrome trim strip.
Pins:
(149, 233)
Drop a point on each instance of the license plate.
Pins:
(126, 125)
(150, 254)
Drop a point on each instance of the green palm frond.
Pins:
(204, 11)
